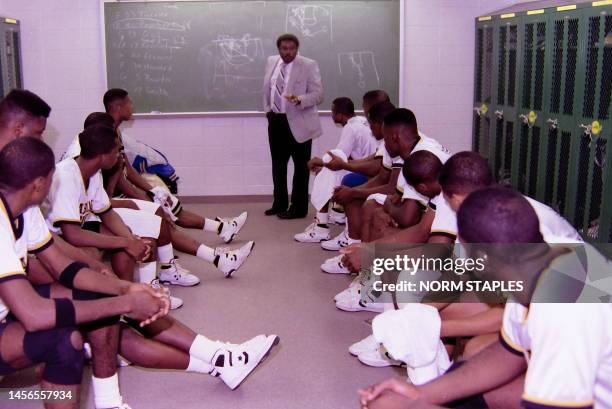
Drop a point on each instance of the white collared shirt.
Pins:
(275, 75)
(356, 139)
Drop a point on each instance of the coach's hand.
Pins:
(399, 386)
(343, 195)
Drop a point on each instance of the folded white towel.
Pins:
(412, 335)
(326, 180)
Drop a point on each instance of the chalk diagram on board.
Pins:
(310, 20)
(359, 67)
(236, 63)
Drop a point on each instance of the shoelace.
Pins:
(180, 270)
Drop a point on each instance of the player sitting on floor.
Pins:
(171, 271)
(548, 355)
(167, 344)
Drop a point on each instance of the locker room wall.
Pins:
(62, 60)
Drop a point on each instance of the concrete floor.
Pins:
(279, 290)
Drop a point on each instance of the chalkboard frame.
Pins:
(154, 115)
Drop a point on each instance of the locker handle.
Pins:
(499, 114)
(587, 129)
(553, 123)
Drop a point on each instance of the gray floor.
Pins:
(280, 290)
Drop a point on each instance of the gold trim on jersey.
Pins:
(41, 244)
(63, 220)
(560, 403)
(12, 273)
(103, 210)
(511, 343)
(454, 233)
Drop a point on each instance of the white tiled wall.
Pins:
(62, 60)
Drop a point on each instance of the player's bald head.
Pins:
(465, 172)
(498, 215)
(22, 161)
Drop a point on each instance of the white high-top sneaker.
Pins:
(337, 242)
(233, 363)
(229, 261)
(313, 234)
(334, 266)
(231, 227)
(174, 273)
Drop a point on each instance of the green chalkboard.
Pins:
(209, 56)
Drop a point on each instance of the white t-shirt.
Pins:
(387, 161)
(552, 224)
(568, 346)
(425, 144)
(356, 139)
(69, 201)
(73, 150)
(18, 236)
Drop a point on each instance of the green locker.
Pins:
(565, 47)
(482, 86)
(504, 96)
(10, 56)
(533, 96)
(549, 112)
(592, 120)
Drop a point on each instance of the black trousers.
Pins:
(282, 147)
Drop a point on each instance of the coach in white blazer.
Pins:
(292, 91)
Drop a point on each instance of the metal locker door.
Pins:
(504, 96)
(534, 91)
(482, 86)
(566, 41)
(592, 122)
(10, 50)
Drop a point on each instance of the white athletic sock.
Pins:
(203, 348)
(353, 241)
(322, 218)
(199, 366)
(165, 253)
(206, 253)
(106, 392)
(147, 272)
(211, 225)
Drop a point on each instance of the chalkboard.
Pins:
(209, 56)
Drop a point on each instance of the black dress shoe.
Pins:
(272, 211)
(292, 214)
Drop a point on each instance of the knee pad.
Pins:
(63, 360)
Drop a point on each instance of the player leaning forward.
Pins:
(38, 326)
